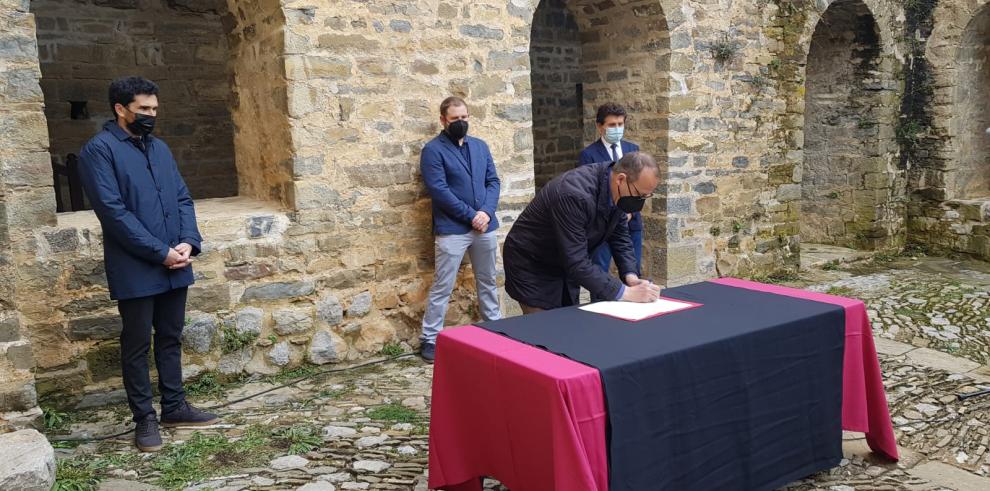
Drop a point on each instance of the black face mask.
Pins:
(142, 124)
(457, 129)
(630, 204)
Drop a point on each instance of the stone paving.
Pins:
(367, 429)
(928, 302)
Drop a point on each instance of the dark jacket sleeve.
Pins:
(188, 231)
(569, 216)
(431, 167)
(100, 183)
(622, 249)
(493, 185)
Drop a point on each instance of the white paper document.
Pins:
(633, 311)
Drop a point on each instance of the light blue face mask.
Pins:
(613, 135)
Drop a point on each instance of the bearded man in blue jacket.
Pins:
(459, 174)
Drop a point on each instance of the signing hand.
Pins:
(638, 290)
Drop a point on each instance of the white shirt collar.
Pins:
(608, 147)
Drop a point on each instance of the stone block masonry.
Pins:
(182, 46)
(326, 254)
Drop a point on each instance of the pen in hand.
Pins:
(650, 282)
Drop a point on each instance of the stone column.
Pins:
(26, 201)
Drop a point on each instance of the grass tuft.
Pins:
(396, 413)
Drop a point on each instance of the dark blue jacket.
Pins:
(598, 152)
(144, 207)
(459, 188)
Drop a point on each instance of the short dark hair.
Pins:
(609, 109)
(452, 101)
(633, 163)
(123, 90)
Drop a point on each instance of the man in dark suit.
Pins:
(547, 253)
(459, 174)
(610, 147)
(149, 239)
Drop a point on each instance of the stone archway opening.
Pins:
(847, 185)
(584, 53)
(181, 45)
(971, 122)
(558, 90)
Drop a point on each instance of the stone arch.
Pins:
(50, 256)
(934, 178)
(180, 45)
(970, 127)
(585, 53)
(557, 88)
(217, 68)
(884, 15)
(850, 193)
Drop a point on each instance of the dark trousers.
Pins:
(166, 312)
(602, 256)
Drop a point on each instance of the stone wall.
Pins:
(261, 110)
(954, 226)
(241, 309)
(625, 59)
(345, 270)
(23, 203)
(944, 138)
(971, 121)
(849, 135)
(364, 88)
(327, 253)
(558, 99)
(179, 44)
(786, 74)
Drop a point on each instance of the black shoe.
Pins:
(147, 438)
(186, 415)
(428, 352)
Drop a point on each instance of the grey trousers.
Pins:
(449, 251)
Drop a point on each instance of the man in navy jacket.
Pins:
(610, 147)
(459, 174)
(149, 239)
(547, 252)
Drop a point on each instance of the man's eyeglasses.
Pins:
(638, 195)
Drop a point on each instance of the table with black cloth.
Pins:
(745, 392)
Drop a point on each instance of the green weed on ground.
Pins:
(204, 456)
(395, 413)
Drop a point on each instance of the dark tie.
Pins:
(615, 156)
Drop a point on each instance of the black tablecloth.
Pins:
(743, 393)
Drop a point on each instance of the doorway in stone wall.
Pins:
(584, 53)
(971, 117)
(850, 196)
(558, 90)
(179, 44)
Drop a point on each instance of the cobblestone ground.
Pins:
(937, 303)
(367, 428)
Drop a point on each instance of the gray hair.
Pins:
(631, 164)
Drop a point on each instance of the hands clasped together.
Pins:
(179, 257)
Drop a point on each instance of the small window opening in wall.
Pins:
(78, 110)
